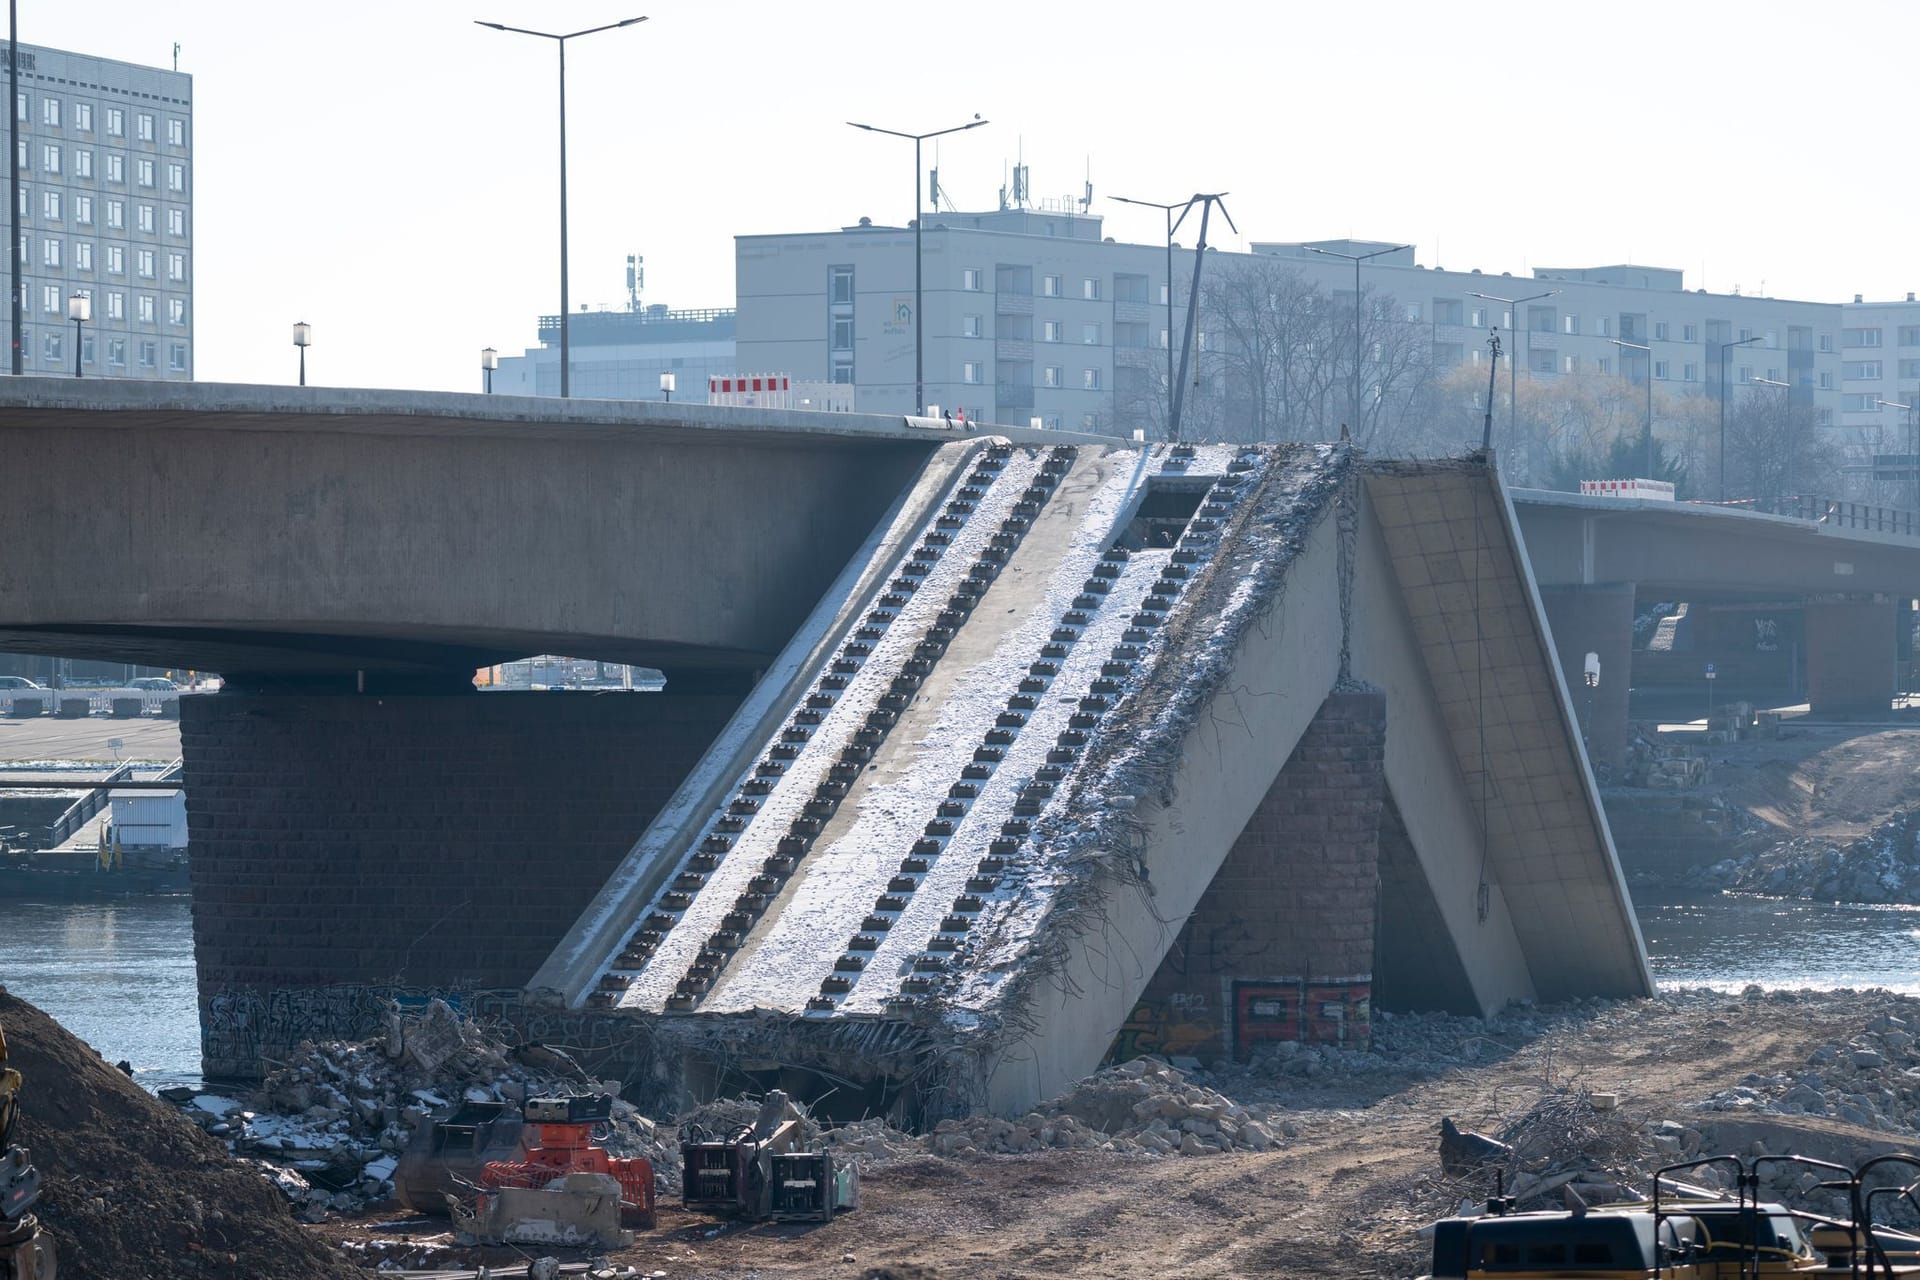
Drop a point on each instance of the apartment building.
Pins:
(105, 210)
(620, 355)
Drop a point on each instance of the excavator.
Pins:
(26, 1253)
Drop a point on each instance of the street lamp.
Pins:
(303, 338)
(1356, 259)
(1913, 464)
(79, 310)
(1168, 210)
(1590, 671)
(1648, 429)
(561, 41)
(919, 321)
(489, 361)
(1513, 366)
(1724, 348)
(666, 386)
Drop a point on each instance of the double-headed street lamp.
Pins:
(79, 310)
(561, 40)
(1168, 209)
(1356, 259)
(919, 320)
(1913, 463)
(1513, 364)
(1724, 348)
(1646, 430)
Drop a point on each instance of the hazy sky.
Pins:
(388, 172)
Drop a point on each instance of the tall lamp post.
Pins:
(1913, 464)
(79, 310)
(919, 320)
(1647, 429)
(1356, 259)
(1724, 348)
(489, 361)
(1786, 388)
(561, 40)
(303, 338)
(1513, 364)
(1168, 210)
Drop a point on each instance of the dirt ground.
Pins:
(1343, 1196)
(1831, 781)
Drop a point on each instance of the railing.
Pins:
(82, 810)
(1839, 514)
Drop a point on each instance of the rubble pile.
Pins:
(1872, 1080)
(1882, 866)
(1144, 1105)
(328, 1127)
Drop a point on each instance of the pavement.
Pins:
(45, 738)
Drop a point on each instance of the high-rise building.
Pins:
(105, 210)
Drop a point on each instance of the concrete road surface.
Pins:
(45, 738)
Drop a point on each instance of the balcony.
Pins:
(1013, 349)
(1013, 304)
(1138, 313)
(1008, 396)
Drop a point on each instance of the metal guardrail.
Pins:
(82, 810)
(100, 700)
(1840, 514)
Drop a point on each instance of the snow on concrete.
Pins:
(682, 943)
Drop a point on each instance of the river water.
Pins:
(120, 974)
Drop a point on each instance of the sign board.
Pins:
(1710, 671)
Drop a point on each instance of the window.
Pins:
(50, 345)
(1050, 376)
(144, 261)
(149, 352)
(176, 132)
(1689, 373)
(83, 255)
(86, 347)
(176, 266)
(1910, 368)
(1090, 335)
(116, 260)
(1089, 422)
(1823, 417)
(50, 112)
(1860, 337)
(1826, 379)
(1050, 330)
(50, 205)
(1603, 365)
(970, 279)
(1600, 326)
(116, 168)
(842, 339)
(117, 351)
(143, 217)
(1745, 374)
(176, 177)
(1689, 333)
(20, 107)
(143, 124)
(116, 125)
(83, 116)
(969, 326)
(1860, 369)
(1660, 369)
(1910, 335)
(1861, 402)
(51, 253)
(1090, 379)
(50, 157)
(50, 298)
(1411, 313)
(970, 371)
(1090, 290)
(143, 171)
(176, 310)
(1163, 297)
(1570, 365)
(1746, 335)
(1826, 342)
(1477, 318)
(177, 357)
(1049, 286)
(117, 215)
(1164, 339)
(1659, 330)
(146, 308)
(82, 162)
(839, 285)
(176, 222)
(1570, 324)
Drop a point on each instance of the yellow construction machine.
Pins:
(26, 1253)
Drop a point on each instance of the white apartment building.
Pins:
(1036, 314)
(1880, 370)
(620, 355)
(105, 209)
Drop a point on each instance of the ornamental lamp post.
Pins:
(489, 361)
(1513, 365)
(303, 338)
(667, 384)
(79, 310)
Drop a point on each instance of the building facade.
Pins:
(1032, 314)
(105, 210)
(620, 355)
(1880, 373)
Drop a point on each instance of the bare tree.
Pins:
(1774, 450)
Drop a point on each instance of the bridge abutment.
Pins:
(1595, 619)
(1851, 654)
(347, 849)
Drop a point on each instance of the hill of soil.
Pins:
(133, 1189)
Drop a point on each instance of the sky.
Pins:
(389, 172)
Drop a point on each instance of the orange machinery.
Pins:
(557, 1139)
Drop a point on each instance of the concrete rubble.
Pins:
(1882, 866)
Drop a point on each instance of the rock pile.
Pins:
(1141, 1106)
(329, 1126)
(1882, 866)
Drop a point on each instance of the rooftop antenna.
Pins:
(1086, 201)
(1206, 203)
(636, 280)
(176, 55)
